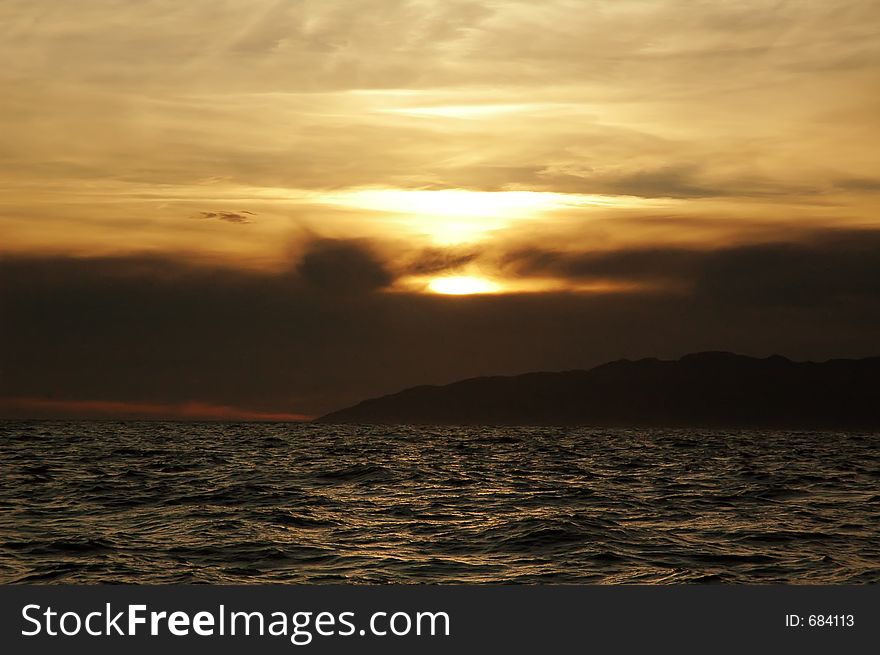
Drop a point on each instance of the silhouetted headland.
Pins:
(710, 389)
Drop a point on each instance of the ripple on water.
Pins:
(231, 503)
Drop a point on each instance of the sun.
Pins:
(461, 285)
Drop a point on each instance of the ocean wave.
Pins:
(265, 503)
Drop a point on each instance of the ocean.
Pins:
(233, 503)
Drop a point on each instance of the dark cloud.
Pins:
(437, 260)
(839, 268)
(827, 267)
(338, 266)
(667, 181)
(859, 184)
(678, 181)
(638, 265)
(228, 216)
(154, 330)
(682, 181)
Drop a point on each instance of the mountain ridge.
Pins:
(706, 389)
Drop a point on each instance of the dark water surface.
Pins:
(152, 502)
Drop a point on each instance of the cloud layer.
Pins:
(122, 117)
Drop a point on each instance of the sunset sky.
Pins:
(273, 208)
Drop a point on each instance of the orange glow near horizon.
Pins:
(126, 410)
